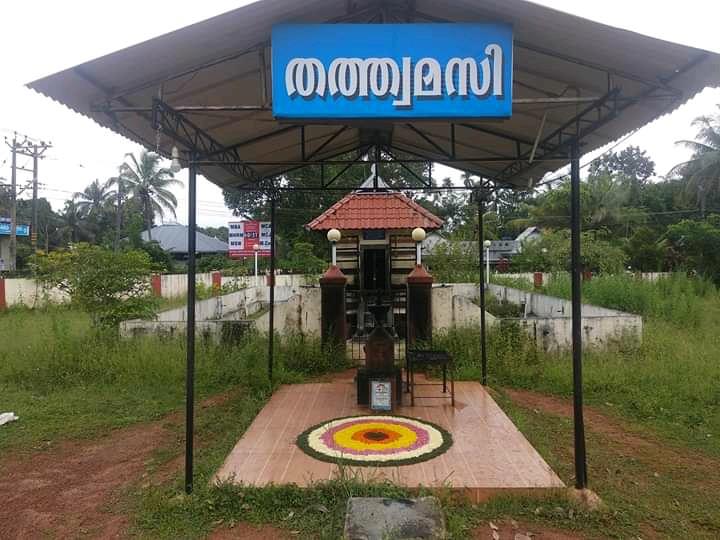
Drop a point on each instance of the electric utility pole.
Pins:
(13, 205)
(35, 151)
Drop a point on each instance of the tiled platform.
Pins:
(489, 454)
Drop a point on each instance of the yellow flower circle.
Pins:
(400, 436)
(375, 440)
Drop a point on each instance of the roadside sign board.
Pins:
(403, 71)
(20, 229)
(243, 236)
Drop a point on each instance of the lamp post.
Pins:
(256, 248)
(333, 237)
(418, 235)
(487, 245)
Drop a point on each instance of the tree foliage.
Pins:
(297, 208)
(302, 260)
(149, 183)
(551, 253)
(658, 223)
(631, 163)
(454, 261)
(702, 172)
(110, 286)
(698, 243)
(645, 251)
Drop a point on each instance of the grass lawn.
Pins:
(653, 430)
(65, 382)
(668, 384)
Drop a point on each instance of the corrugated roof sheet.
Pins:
(173, 238)
(555, 54)
(390, 210)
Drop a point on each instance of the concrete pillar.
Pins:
(156, 284)
(419, 306)
(3, 302)
(216, 283)
(333, 318)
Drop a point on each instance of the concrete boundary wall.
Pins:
(298, 314)
(548, 277)
(548, 320)
(30, 293)
(175, 285)
(297, 308)
(454, 306)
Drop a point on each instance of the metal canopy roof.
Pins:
(570, 75)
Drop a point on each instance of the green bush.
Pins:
(454, 262)
(697, 245)
(302, 260)
(677, 298)
(110, 286)
(510, 351)
(305, 355)
(551, 253)
(500, 308)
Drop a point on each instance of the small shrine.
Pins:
(376, 292)
(376, 252)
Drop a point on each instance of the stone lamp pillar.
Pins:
(333, 323)
(419, 297)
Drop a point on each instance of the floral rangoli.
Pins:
(376, 440)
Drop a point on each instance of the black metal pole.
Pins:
(579, 423)
(271, 334)
(483, 341)
(190, 366)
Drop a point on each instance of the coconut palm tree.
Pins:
(702, 171)
(72, 226)
(143, 178)
(93, 199)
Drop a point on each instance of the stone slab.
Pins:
(375, 518)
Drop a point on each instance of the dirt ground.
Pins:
(645, 447)
(70, 489)
(519, 531)
(249, 532)
(73, 488)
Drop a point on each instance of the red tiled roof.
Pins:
(375, 211)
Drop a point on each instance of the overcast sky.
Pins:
(50, 35)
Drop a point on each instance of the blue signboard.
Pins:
(20, 230)
(406, 71)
